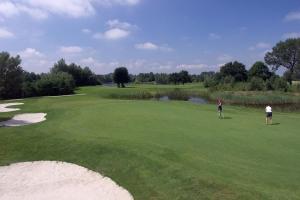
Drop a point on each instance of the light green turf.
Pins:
(164, 150)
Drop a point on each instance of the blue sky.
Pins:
(145, 35)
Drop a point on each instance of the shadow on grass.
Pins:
(227, 118)
(4, 119)
(275, 124)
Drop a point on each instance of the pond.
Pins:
(196, 100)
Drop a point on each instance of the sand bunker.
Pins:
(24, 119)
(3, 107)
(48, 180)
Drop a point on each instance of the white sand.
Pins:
(50, 180)
(3, 107)
(24, 119)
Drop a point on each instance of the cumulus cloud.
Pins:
(112, 34)
(292, 16)
(291, 35)
(116, 30)
(41, 9)
(152, 47)
(4, 33)
(147, 46)
(30, 53)
(70, 49)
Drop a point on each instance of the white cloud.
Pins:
(30, 53)
(118, 2)
(86, 31)
(260, 45)
(70, 49)
(191, 66)
(88, 60)
(116, 30)
(41, 9)
(113, 34)
(147, 46)
(8, 9)
(4, 33)
(291, 35)
(214, 36)
(151, 46)
(292, 16)
(121, 25)
(225, 58)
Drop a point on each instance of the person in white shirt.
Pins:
(269, 115)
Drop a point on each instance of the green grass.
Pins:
(163, 150)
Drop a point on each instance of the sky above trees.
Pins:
(145, 35)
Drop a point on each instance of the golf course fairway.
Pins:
(172, 150)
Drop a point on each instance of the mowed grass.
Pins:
(163, 150)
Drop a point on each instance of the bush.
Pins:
(210, 82)
(60, 83)
(256, 84)
(281, 84)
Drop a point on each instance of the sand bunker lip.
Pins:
(3, 107)
(24, 119)
(48, 180)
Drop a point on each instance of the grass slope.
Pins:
(163, 150)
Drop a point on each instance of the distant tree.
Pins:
(162, 78)
(11, 76)
(235, 69)
(174, 78)
(205, 75)
(184, 77)
(121, 76)
(260, 70)
(285, 54)
(82, 76)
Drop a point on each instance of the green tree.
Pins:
(235, 69)
(184, 77)
(82, 76)
(285, 54)
(60, 83)
(121, 76)
(11, 76)
(260, 70)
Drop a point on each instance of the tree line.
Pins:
(232, 75)
(61, 80)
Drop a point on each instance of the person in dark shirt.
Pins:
(220, 108)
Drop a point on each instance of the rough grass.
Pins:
(164, 150)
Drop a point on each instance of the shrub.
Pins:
(256, 84)
(60, 83)
(281, 84)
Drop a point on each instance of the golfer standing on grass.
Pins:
(220, 108)
(269, 115)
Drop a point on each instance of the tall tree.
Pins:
(121, 76)
(11, 76)
(260, 70)
(285, 54)
(235, 69)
